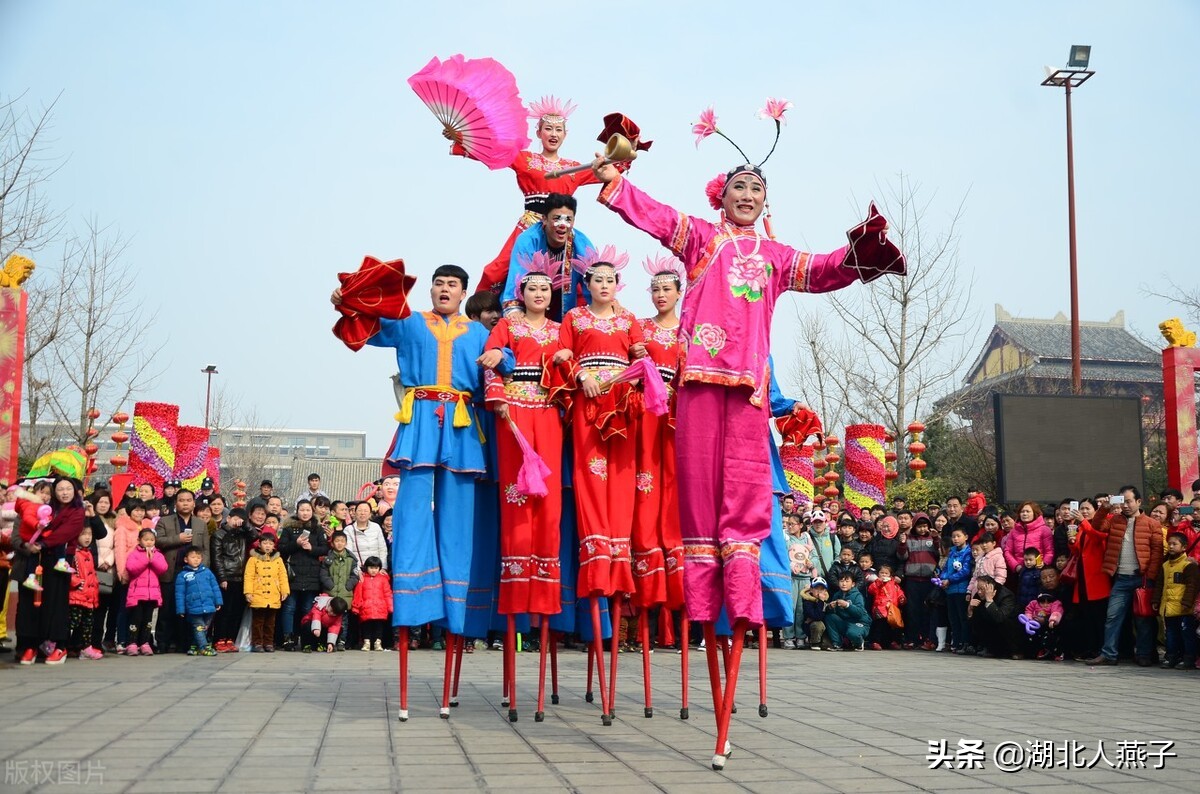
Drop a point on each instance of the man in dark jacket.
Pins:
(993, 614)
(230, 548)
(176, 532)
(956, 519)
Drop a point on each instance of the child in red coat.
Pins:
(325, 617)
(885, 594)
(372, 604)
(84, 599)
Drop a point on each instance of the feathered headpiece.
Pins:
(551, 107)
(664, 268)
(605, 255)
(540, 266)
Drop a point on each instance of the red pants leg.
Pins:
(604, 485)
(649, 567)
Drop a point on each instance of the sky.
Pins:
(252, 150)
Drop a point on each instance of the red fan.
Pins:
(377, 290)
(477, 101)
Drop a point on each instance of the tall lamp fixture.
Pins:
(210, 370)
(1074, 75)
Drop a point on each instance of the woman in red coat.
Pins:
(1092, 585)
(657, 540)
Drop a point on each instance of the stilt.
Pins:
(714, 671)
(403, 673)
(724, 644)
(540, 714)
(591, 654)
(685, 646)
(462, 644)
(598, 648)
(735, 660)
(613, 655)
(510, 654)
(554, 668)
(762, 670)
(644, 632)
(448, 675)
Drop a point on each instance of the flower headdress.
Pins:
(664, 268)
(707, 125)
(551, 107)
(605, 255)
(540, 266)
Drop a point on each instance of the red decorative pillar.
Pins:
(1179, 394)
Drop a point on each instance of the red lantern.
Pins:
(891, 474)
(831, 441)
(91, 432)
(239, 484)
(94, 414)
(831, 491)
(889, 456)
(120, 418)
(833, 459)
(118, 461)
(819, 461)
(820, 482)
(91, 449)
(889, 437)
(832, 476)
(119, 437)
(916, 447)
(91, 467)
(916, 427)
(917, 465)
(820, 445)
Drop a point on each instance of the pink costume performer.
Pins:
(734, 277)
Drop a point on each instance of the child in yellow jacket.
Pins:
(266, 586)
(1175, 599)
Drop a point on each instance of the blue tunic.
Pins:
(530, 242)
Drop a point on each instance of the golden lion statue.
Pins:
(18, 269)
(1175, 334)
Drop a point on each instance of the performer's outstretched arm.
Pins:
(681, 234)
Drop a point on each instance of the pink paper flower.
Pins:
(715, 189)
(774, 109)
(706, 126)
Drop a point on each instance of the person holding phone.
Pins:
(302, 544)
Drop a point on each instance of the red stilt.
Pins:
(403, 673)
(554, 668)
(462, 642)
(598, 648)
(723, 748)
(613, 654)
(510, 653)
(762, 670)
(684, 647)
(540, 714)
(644, 632)
(714, 671)
(591, 653)
(448, 675)
(724, 645)
(504, 675)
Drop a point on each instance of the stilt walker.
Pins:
(600, 341)
(735, 275)
(438, 446)
(657, 544)
(530, 448)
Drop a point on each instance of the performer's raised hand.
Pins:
(336, 297)
(604, 170)
(490, 359)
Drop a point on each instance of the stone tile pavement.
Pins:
(838, 722)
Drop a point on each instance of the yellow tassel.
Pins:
(406, 407)
(462, 415)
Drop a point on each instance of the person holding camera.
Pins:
(302, 543)
(992, 611)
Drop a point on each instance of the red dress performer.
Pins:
(601, 339)
(657, 543)
(529, 436)
(537, 177)
(735, 276)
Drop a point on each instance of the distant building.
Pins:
(1029, 356)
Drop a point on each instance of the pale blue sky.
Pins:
(253, 149)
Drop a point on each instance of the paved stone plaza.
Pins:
(838, 722)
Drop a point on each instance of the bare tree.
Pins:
(813, 379)
(1188, 298)
(97, 348)
(27, 223)
(906, 339)
(248, 445)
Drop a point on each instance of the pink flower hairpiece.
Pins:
(551, 105)
(774, 109)
(715, 189)
(664, 266)
(540, 264)
(604, 255)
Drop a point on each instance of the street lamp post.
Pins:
(1075, 75)
(210, 370)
